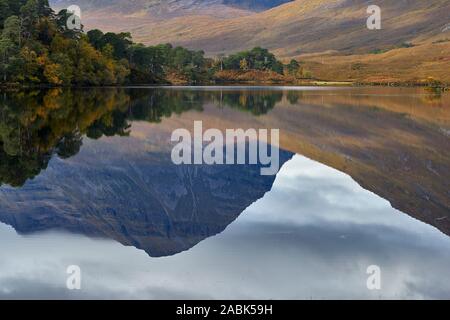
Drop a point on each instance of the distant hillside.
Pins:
(160, 9)
(305, 26)
(294, 28)
(300, 29)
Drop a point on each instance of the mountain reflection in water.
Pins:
(97, 162)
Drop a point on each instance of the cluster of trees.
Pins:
(260, 59)
(255, 59)
(38, 47)
(150, 64)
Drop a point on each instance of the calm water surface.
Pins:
(86, 179)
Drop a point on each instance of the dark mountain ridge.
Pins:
(255, 4)
(169, 5)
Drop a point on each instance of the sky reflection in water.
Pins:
(312, 236)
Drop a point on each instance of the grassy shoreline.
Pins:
(299, 83)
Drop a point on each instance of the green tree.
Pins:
(293, 67)
(12, 30)
(30, 15)
(5, 11)
(9, 44)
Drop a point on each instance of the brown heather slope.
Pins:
(422, 64)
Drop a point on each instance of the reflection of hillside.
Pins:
(396, 146)
(124, 190)
(424, 105)
(401, 160)
(399, 157)
(136, 198)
